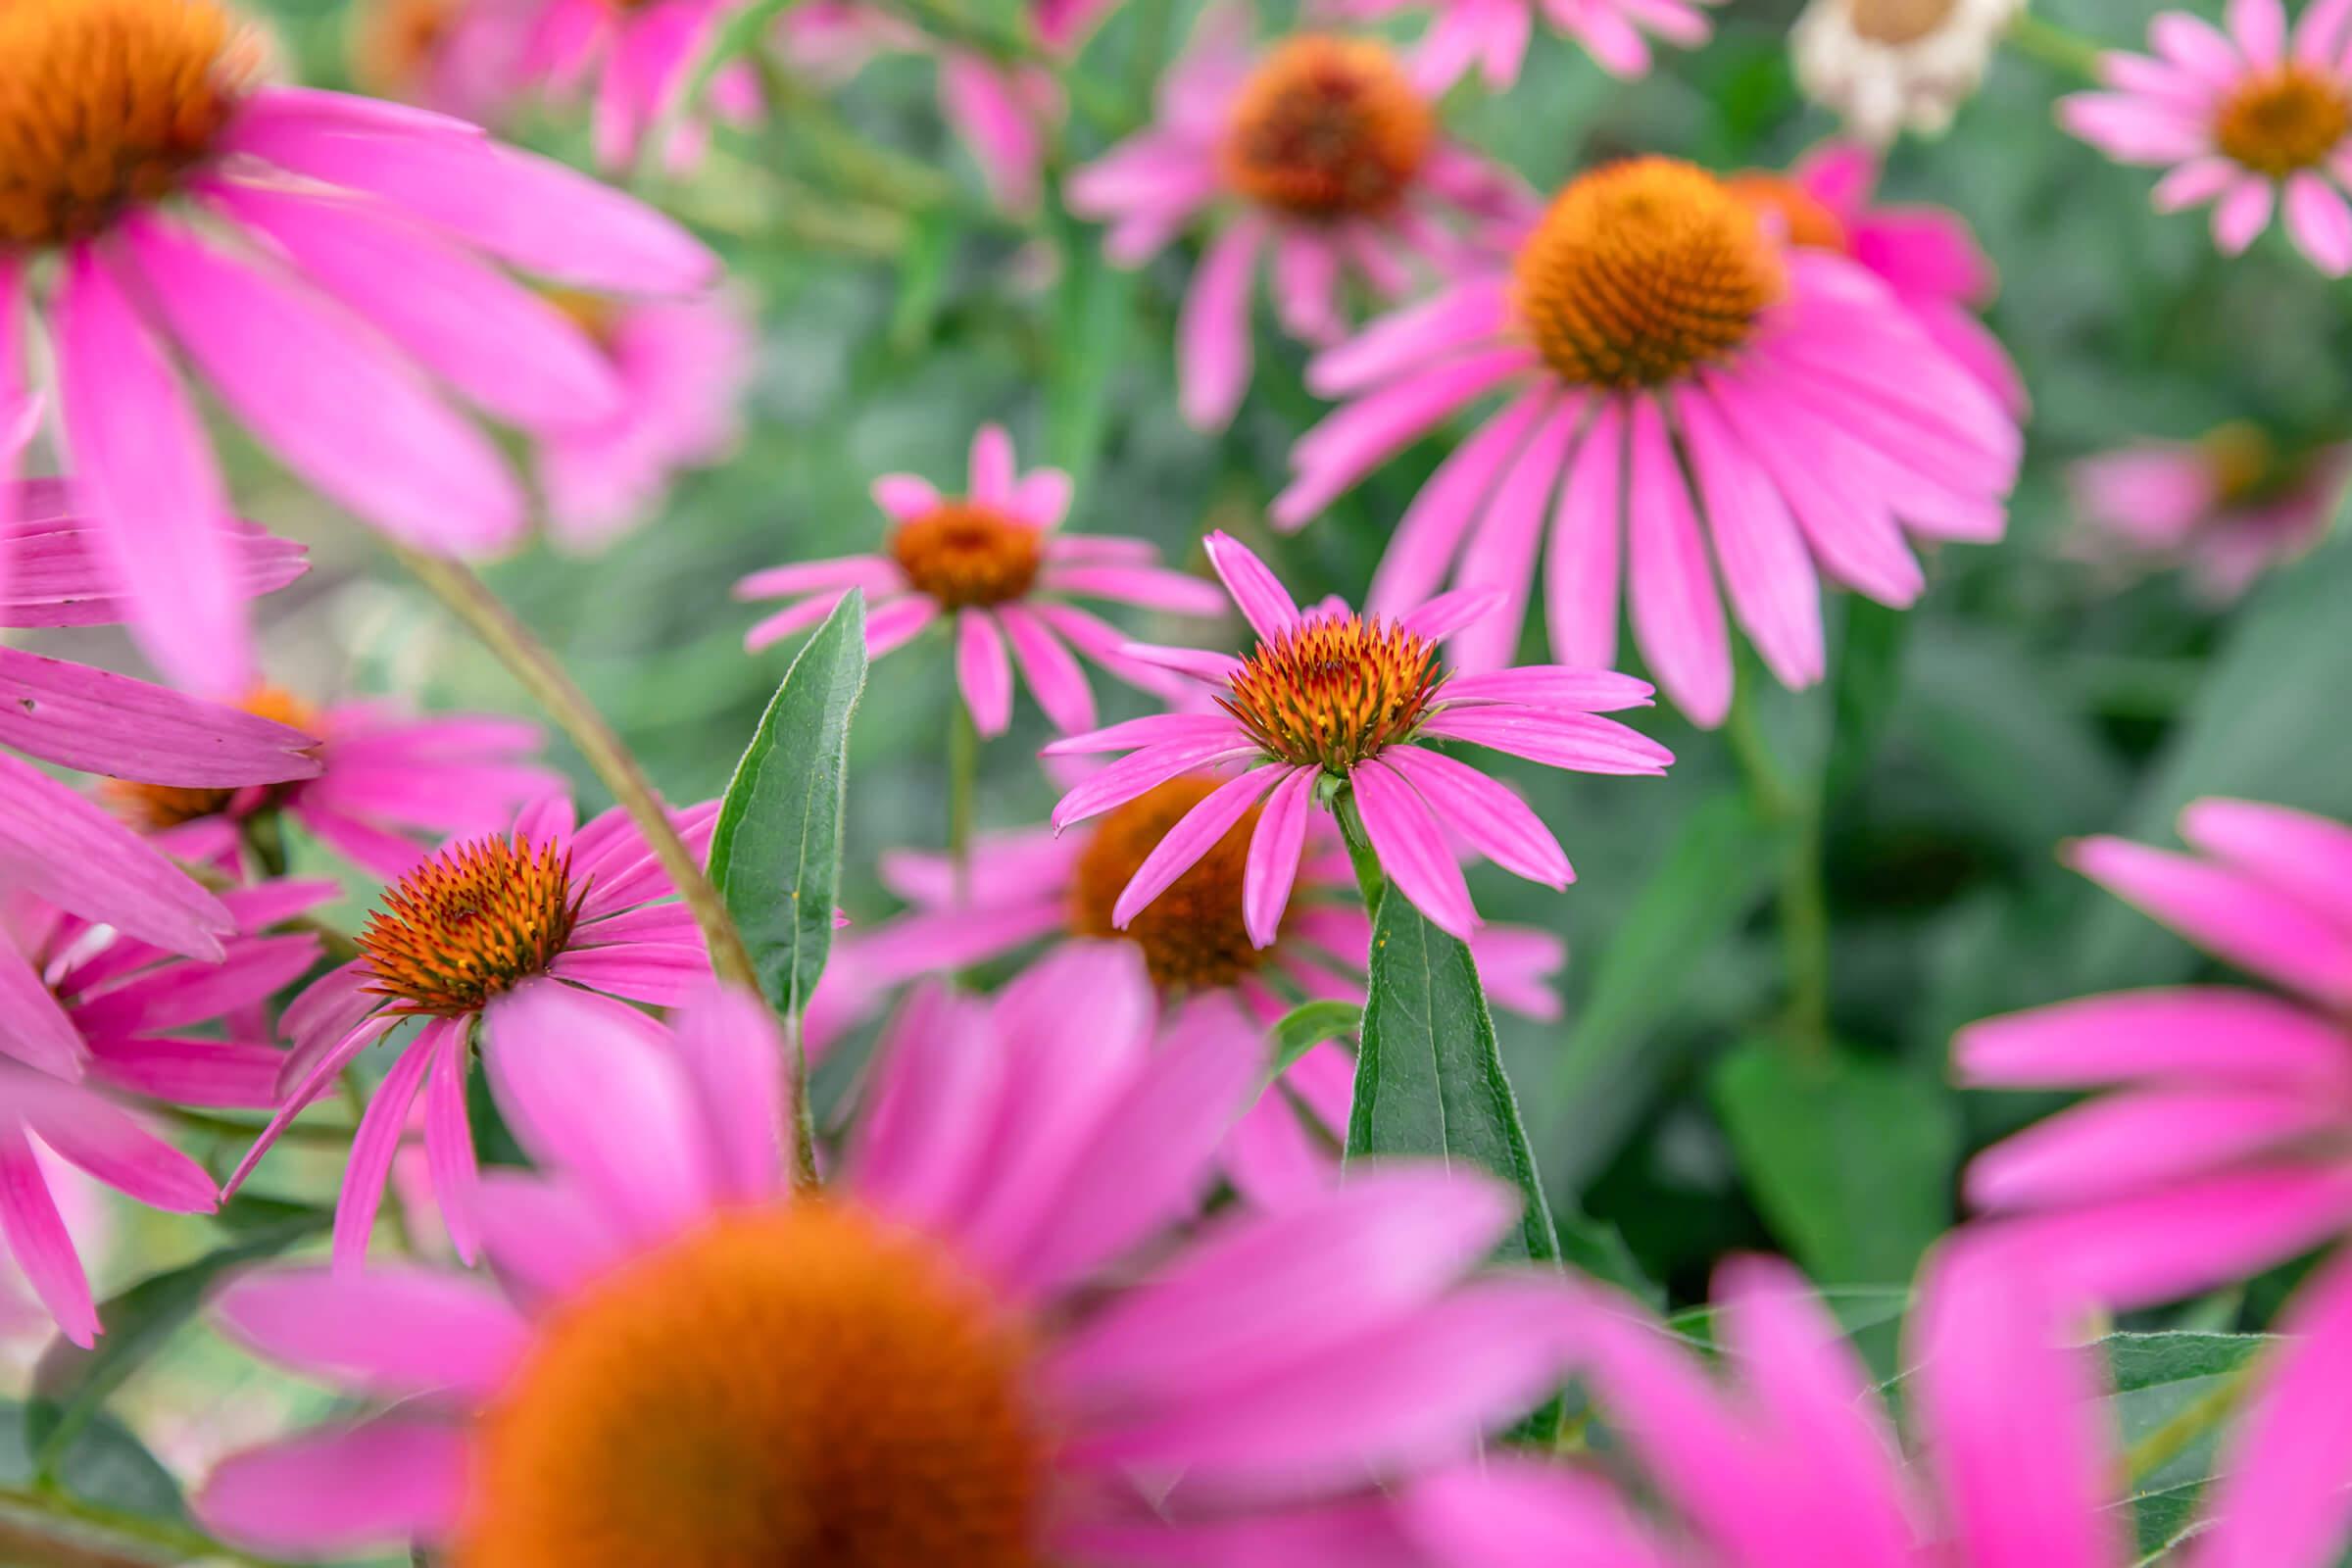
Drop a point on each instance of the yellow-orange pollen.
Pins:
(2287, 118)
(153, 808)
(1801, 216)
(470, 924)
(1895, 22)
(1332, 691)
(1643, 269)
(107, 104)
(1328, 127)
(1192, 935)
(794, 1386)
(964, 554)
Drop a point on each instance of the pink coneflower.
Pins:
(1033, 886)
(984, 1344)
(2226, 508)
(2226, 1144)
(1651, 327)
(388, 786)
(634, 58)
(456, 56)
(682, 365)
(1319, 152)
(1330, 696)
(1493, 34)
(2249, 120)
(1003, 114)
(475, 933)
(993, 558)
(1928, 257)
(319, 260)
(138, 1020)
(1786, 1459)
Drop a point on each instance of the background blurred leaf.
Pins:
(1307, 1025)
(104, 1464)
(775, 853)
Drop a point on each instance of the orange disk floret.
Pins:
(793, 1387)
(961, 553)
(1332, 691)
(106, 105)
(1327, 127)
(2283, 119)
(1643, 269)
(392, 42)
(1192, 935)
(1896, 23)
(470, 924)
(1805, 219)
(153, 808)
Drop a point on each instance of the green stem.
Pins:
(1370, 880)
(535, 666)
(296, 1131)
(799, 1113)
(2163, 1444)
(1804, 899)
(264, 836)
(156, 1541)
(963, 774)
(2054, 46)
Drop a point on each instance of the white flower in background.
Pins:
(1889, 66)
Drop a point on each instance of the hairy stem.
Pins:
(963, 773)
(1370, 881)
(1804, 900)
(471, 601)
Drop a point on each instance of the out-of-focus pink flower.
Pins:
(1493, 34)
(996, 561)
(1329, 695)
(89, 1014)
(2225, 508)
(1786, 1460)
(55, 843)
(1028, 887)
(682, 365)
(2224, 1145)
(1927, 256)
(456, 56)
(1653, 326)
(483, 930)
(2249, 119)
(321, 261)
(1319, 152)
(990, 1306)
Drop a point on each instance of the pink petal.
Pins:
(2308, 855)
(2320, 224)
(2280, 1499)
(449, 1142)
(1580, 742)
(1677, 616)
(1049, 668)
(1358, 438)
(1423, 544)
(2182, 1035)
(1130, 776)
(2228, 912)
(1408, 340)
(989, 477)
(1765, 565)
(394, 1332)
(1193, 836)
(2260, 28)
(1262, 600)
(1272, 866)
(39, 1240)
(2140, 1140)
(1212, 331)
(1501, 557)
(1412, 848)
(337, 1489)
(1494, 821)
(371, 1150)
(983, 672)
(1582, 571)
(2243, 214)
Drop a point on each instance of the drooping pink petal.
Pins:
(2183, 1034)
(2140, 1141)
(1133, 775)
(337, 1489)
(448, 1139)
(1423, 545)
(39, 1240)
(1676, 616)
(1275, 847)
(2319, 223)
(2228, 912)
(1765, 567)
(1193, 836)
(1350, 443)
(1501, 556)
(1412, 848)
(64, 849)
(371, 1150)
(2308, 855)
(1212, 331)
(983, 672)
(1582, 564)
(1049, 668)
(1496, 822)
(396, 1331)
(2280, 1496)
(2243, 212)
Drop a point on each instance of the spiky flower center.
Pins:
(1895, 22)
(1334, 690)
(1327, 127)
(1802, 218)
(2282, 119)
(963, 554)
(153, 808)
(105, 105)
(470, 924)
(795, 1387)
(1192, 935)
(1643, 269)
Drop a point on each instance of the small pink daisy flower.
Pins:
(1036, 885)
(97, 1013)
(1319, 152)
(1493, 34)
(991, 1308)
(2251, 119)
(640, 56)
(388, 785)
(2224, 1145)
(2226, 508)
(474, 933)
(320, 259)
(1928, 257)
(1652, 327)
(1783, 1456)
(993, 558)
(1330, 696)
(683, 366)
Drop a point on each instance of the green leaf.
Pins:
(102, 1463)
(1429, 1080)
(1863, 692)
(71, 1386)
(922, 279)
(1715, 871)
(2136, 1362)
(1306, 1026)
(775, 854)
(1094, 334)
(1850, 1159)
